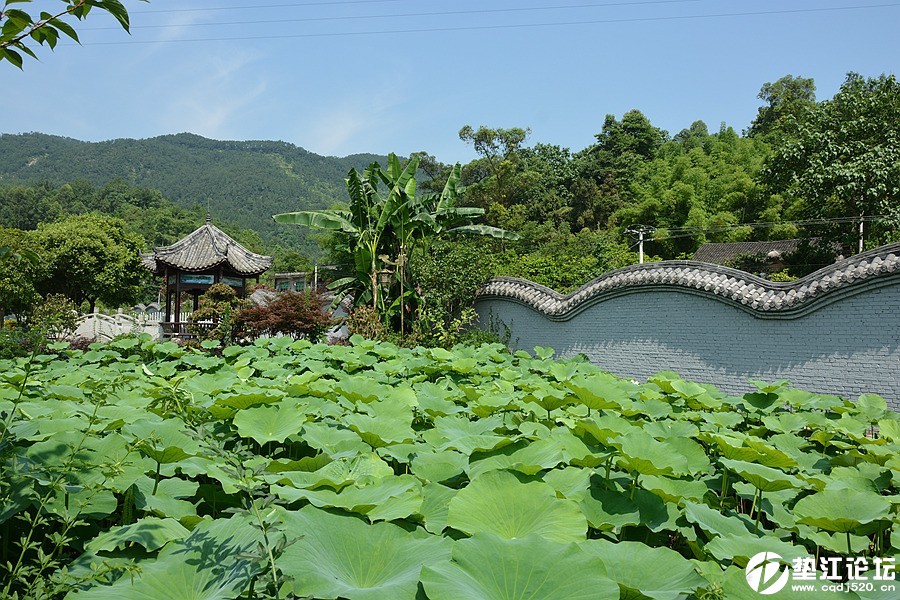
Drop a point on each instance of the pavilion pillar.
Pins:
(168, 298)
(178, 299)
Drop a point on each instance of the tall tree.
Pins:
(20, 267)
(844, 158)
(90, 258)
(608, 169)
(786, 101)
(499, 150)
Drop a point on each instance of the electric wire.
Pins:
(503, 26)
(444, 13)
(687, 232)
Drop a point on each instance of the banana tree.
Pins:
(382, 224)
(366, 224)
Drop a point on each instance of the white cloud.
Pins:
(354, 123)
(211, 95)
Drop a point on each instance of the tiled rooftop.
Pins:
(738, 287)
(205, 248)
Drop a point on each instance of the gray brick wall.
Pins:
(848, 347)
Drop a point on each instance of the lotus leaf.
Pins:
(333, 441)
(722, 420)
(889, 429)
(663, 430)
(382, 428)
(210, 564)
(245, 395)
(841, 510)
(439, 466)
(643, 454)
(836, 542)
(271, 423)
(87, 438)
(765, 479)
(549, 398)
(523, 456)
(361, 469)
(160, 434)
(739, 548)
(613, 509)
(167, 500)
(569, 482)
(150, 532)
(459, 433)
(870, 407)
(343, 557)
(642, 571)
(497, 502)
(603, 429)
(487, 567)
(715, 523)
(598, 391)
(762, 401)
(382, 500)
(362, 389)
(674, 490)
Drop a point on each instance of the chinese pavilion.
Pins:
(202, 258)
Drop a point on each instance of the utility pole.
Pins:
(640, 231)
(861, 238)
(641, 247)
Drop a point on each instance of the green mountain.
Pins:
(243, 182)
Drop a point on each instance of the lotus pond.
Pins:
(145, 470)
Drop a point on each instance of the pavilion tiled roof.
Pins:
(203, 249)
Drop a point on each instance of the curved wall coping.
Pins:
(762, 298)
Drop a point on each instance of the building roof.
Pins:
(204, 248)
(723, 254)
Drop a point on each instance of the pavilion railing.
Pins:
(185, 330)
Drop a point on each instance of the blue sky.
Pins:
(341, 77)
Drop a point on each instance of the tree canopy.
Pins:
(90, 258)
(786, 101)
(843, 160)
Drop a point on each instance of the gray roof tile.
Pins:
(722, 282)
(204, 248)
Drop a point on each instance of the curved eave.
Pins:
(206, 248)
(761, 298)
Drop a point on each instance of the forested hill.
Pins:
(244, 182)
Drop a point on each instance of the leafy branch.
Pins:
(17, 26)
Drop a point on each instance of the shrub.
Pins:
(18, 342)
(782, 276)
(365, 321)
(218, 305)
(296, 314)
(55, 317)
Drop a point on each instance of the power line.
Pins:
(775, 223)
(508, 26)
(694, 232)
(286, 5)
(401, 15)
